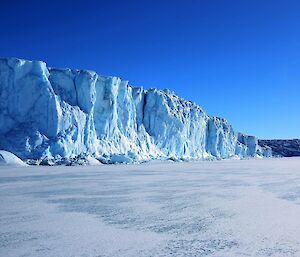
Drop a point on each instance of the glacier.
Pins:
(62, 114)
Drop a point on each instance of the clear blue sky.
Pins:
(237, 59)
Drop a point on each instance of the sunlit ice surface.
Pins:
(219, 208)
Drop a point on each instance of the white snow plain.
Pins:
(221, 208)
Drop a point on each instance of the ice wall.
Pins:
(62, 113)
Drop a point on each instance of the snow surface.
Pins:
(49, 113)
(229, 208)
(9, 159)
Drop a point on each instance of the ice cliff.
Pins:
(49, 113)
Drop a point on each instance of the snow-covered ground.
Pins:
(222, 208)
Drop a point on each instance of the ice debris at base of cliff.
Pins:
(54, 114)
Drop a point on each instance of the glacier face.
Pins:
(62, 113)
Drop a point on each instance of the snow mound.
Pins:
(7, 158)
(92, 161)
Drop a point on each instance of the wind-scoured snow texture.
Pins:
(62, 113)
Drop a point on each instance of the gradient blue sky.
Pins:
(237, 59)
